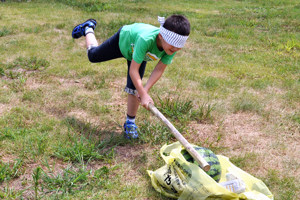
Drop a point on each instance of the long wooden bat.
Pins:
(204, 165)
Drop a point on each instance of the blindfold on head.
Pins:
(170, 37)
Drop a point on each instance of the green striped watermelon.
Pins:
(211, 159)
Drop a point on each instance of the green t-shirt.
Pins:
(138, 42)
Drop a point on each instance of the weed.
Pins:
(80, 101)
(32, 95)
(78, 151)
(246, 102)
(37, 144)
(4, 31)
(105, 94)
(13, 134)
(69, 180)
(291, 45)
(81, 127)
(96, 83)
(5, 97)
(7, 133)
(114, 25)
(175, 108)
(85, 149)
(100, 176)
(60, 26)
(296, 117)
(259, 84)
(154, 133)
(293, 95)
(29, 143)
(210, 83)
(35, 29)
(26, 142)
(284, 187)
(245, 161)
(2, 72)
(90, 6)
(21, 117)
(99, 109)
(203, 113)
(9, 171)
(36, 178)
(13, 75)
(32, 63)
(10, 193)
(184, 111)
(18, 85)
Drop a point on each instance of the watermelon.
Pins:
(211, 159)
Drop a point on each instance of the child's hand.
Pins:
(145, 100)
(138, 96)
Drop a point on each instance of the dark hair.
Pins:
(178, 24)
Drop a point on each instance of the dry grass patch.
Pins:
(247, 133)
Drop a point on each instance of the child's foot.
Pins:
(79, 30)
(130, 130)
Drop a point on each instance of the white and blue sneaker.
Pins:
(130, 130)
(79, 30)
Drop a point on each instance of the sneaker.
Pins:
(79, 30)
(130, 130)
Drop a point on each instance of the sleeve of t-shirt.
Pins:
(140, 50)
(167, 59)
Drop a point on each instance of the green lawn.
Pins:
(234, 88)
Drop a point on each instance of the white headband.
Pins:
(170, 37)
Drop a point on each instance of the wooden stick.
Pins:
(204, 165)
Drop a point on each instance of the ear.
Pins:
(159, 42)
(159, 36)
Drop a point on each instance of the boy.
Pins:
(138, 43)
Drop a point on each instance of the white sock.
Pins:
(130, 119)
(89, 30)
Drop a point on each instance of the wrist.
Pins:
(146, 88)
(142, 92)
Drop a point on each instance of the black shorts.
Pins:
(109, 50)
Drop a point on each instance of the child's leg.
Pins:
(132, 105)
(129, 126)
(108, 50)
(91, 40)
(132, 101)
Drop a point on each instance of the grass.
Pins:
(32, 63)
(69, 182)
(246, 102)
(155, 133)
(234, 88)
(287, 184)
(5, 31)
(10, 171)
(83, 150)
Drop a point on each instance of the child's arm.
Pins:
(155, 75)
(137, 81)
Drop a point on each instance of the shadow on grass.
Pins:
(86, 142)
(91, 131)
(84, 133)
